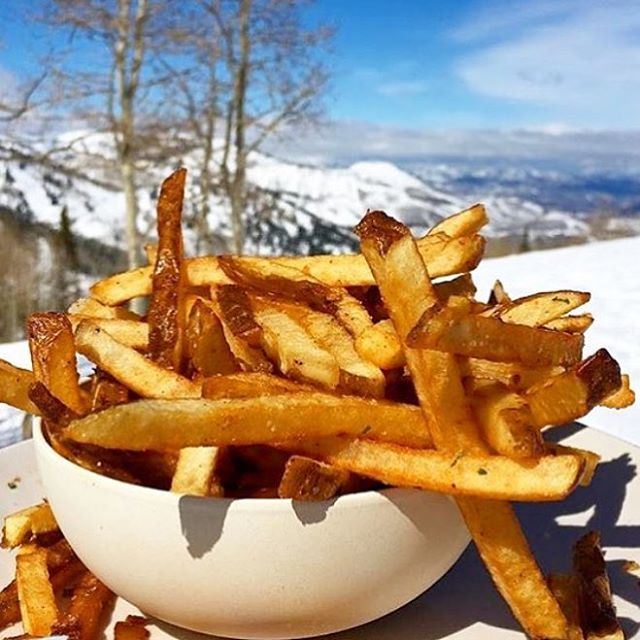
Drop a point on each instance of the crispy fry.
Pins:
(14, 387)
(107, 392)
(507, 424)
(591, 460)
(513, 375)
(461, 286)
(49, 407)
(492, 339)
(540, 308)
(565, 589)
(379, 344)
(38, 607)
(54, 358)
(133, 628)
(195, 473)
(540, 479)
(235, 307)
(309, 480)
(91, 308)
(150, 424)
(132, 333)
(126, 365)
(573, 394)
(249, 385)
(623, 397)
(166, 315)
(597, 611)
(294, 350)
(465, 223)
(498, 295)
(571, 324)
(406, 288)
(21, 526)
(206, 347)
(89, 600)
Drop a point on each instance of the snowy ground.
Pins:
(608, 270)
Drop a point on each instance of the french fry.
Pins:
(461, 224)
(296, 353)
(132, 333)
(38, 607)
(131, 368)
(21, 526)
(540, 308)
(507, 424)
(89, 600)
(407, 291)
(235, 308)
(133, 628)
(91, 308)
(249, 385)
(571, 324)
(498, 295)
(54, 358)
(14, 387)
(107, 392)
(310, 481)
(206, 347)
(565, 589)
(597, 611)
(541, 479)
(492, 339)
(150, 424)
(443, 255)
(513, 375)
(623, 397)
(461, 286)
(195, 472)
(591, 460)
(166, 315)
(573, 394)
(379, 344)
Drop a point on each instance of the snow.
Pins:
(607, 269)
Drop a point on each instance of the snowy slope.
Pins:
(607, 269)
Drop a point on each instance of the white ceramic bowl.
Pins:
(254, 568)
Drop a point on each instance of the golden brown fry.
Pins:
(150, 424)
(107, 392)
(133, 628)
(166, 315)
(507, 424)
(91, 308)
(206, 347)
(54, 358)
(597, 611)
(591, 460)
(623, 397)
(492, 339)
(540, 308)
(573, 394)
(461, 286)
(38, 607)
(310, 481)
(498, 295)
(195, 473)
(513, 375)
(131, 368)
(565, 589)
(465, 223)
(379, 345)
(571, 324)
(236, 309)
(249, 385)
(21, 526)
(132, 333)
(541, 479)
(393, 257)
(14, 387)
(296, 353)
(89, 600)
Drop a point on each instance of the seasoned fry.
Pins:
(310, 481)
(571, 324)
(38, 607)
(407, 291)
(126, 365)
(513, 375)
(565, 589)
(166, 315)
(206, 347)
(14, 387)
(132, 333)
(379, 344)
(498, 295)
(195, 472)
(107, 392)
(21, 526)
(461, 286)
(573, 394)
(597, 612)
(249, 385)
(591, 460)
(623, 397)
(507, 424)
(133, 628)
(236, 309)
(460, 474)
(541, 308)
(465, 223)
(91, 308)
(150, 424)
(54, 358)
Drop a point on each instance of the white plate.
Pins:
(463, 605)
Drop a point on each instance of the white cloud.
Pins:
(577, 60)
(402, 88)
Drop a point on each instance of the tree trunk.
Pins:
(127, 174)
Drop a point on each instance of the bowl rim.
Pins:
(151, 494)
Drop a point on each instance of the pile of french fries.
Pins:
(308, 377)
